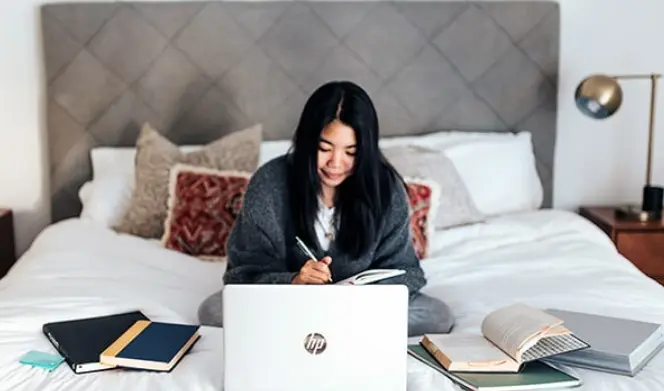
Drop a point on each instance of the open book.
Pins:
(511, 336)
(371, 276)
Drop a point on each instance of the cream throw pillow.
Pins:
(455, 205)
(156, 155)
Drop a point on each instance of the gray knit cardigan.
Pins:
(262, 249)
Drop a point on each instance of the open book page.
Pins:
(518, 327)
(371, 276)
(556, 340)
(468, 352)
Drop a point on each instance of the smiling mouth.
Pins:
(331, 175)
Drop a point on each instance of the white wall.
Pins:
(604, 161)
(596, 162)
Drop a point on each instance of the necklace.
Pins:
(329, 228)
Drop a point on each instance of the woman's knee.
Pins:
(429, 315)
(443, 316)
(210, 312)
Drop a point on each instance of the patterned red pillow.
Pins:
(202, 207)
(422, 196)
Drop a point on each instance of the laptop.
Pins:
(315, 337)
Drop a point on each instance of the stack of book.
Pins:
(124, 340)
(520, 347)
(506, 355)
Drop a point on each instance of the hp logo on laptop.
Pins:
(315, 343)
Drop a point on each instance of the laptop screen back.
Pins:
(299, 338)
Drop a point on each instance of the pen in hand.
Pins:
(306, 251)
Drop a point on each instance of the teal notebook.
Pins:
(535, 375)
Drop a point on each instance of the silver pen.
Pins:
(306, 250)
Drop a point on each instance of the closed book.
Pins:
(534, 375)
(617, 345)
(81, 341)
(155, 346)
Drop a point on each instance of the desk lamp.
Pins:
(599, 97)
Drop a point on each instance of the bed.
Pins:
(77, 268)
(478, 80)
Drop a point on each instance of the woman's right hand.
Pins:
(314, 272)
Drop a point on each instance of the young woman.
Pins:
(337, 193)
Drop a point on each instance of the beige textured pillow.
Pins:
(455, 205)
(156, 155)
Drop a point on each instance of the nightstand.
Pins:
(641, 243)
(7, 244)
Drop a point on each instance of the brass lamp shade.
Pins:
(598, 96)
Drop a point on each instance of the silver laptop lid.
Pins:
(301, 338)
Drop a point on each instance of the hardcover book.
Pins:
(511, 336)
(535, 375)
(81, 341)
(617, 345)
(155, 346)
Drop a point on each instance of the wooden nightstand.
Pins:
(641, 243)
(7, 243)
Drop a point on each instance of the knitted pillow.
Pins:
(423, 198)
(203, 205)
(455, 202)
(156, 155)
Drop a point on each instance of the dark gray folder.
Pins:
(617, 345)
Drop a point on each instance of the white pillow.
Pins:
(110, 160)
(273, 149)
(500, 173)
(106, 196)
(113, 170)
(441, 139)
(108, 199)
(84, 192)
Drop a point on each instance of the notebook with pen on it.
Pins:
(511, 336)
(362, 278)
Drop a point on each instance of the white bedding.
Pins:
(78, 269)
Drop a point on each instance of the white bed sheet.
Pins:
(77, 269)
(546, 259)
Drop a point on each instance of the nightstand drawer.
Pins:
(645, 250)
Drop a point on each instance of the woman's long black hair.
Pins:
(363, 198)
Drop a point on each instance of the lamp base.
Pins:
(652, 199)
(635, 213)
(650, 209)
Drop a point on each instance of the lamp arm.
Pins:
(637, 76)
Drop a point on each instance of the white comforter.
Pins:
(78, 269)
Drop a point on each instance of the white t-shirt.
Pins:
(325, 229)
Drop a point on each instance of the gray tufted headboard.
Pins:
(198, 70)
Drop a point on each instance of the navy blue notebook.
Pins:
(150, 345)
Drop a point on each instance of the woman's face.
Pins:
(336, 153)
